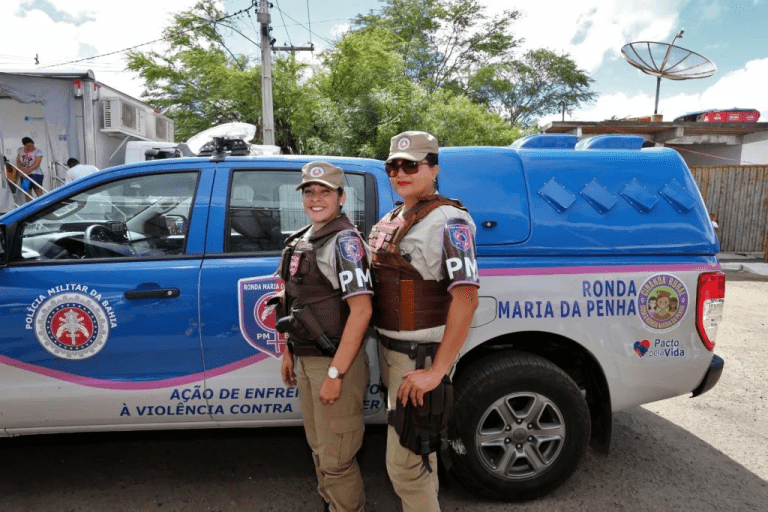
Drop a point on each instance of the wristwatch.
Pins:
(334, 373)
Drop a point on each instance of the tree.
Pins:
(443, 41)
(454, 45)
(537, 85)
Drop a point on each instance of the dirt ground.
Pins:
(704, 454)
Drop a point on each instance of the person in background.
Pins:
(425, 294)
(325, 267)
(12, 175)
(29, 159)
(78, 170)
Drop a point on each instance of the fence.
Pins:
(738, 196)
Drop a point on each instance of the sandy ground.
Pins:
(705, 454)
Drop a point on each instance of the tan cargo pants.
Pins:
(335, 432)
(416, 487)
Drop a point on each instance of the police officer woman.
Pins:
(426, 284)
(328, 291)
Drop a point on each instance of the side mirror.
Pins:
(176, 224)
(3, 246)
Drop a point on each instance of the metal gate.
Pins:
(738, 197)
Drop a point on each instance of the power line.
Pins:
(310, 30)
(309, 21)
(282, 18)
(154, 41)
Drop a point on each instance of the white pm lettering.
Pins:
(345, 278)
(453, 265)
(363, 277)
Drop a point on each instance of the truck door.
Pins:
(99, 306)
(240, 346)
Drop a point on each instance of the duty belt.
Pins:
(302, 350)
(410, 348)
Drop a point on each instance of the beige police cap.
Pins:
(412, 146)
(322, 173)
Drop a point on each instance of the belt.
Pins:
(304, 350)
(408, 347)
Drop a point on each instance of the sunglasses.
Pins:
(408, 166)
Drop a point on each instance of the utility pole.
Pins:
(266, 70)
(266, 75)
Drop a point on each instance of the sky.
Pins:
(51, 34)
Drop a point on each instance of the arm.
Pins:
(35, 164)
(360, 310)
(464, 301)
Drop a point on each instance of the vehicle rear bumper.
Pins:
(711, 377)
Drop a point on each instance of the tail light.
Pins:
(709, 306)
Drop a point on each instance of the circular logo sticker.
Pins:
(71, 326)
(662, 302)
(316, 172)
(404, 143)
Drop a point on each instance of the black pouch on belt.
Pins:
(424, 429)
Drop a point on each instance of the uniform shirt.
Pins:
(345, 261)
(28, 159)
(441, 246)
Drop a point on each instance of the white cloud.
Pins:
(591, 30)
(59, 31)
(744, 88)
(339, 30)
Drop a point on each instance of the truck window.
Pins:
(137, 217)
(265, 207)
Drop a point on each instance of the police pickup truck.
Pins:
(135, 298)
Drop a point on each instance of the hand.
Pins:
(330, 391)
(289, 376)
(416, 383)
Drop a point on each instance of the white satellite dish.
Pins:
(668, 61)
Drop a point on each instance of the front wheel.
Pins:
(520, 426)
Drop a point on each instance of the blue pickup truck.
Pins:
(135, 298)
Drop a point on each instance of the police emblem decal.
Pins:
(257, 318)
(71, 326)
(662, 302)
(404, 143)
(316, 171)
(351, 248)
(461, 236)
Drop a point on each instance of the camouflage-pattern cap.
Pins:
(322, 173)
(412, 146)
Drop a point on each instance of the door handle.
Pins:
(160, 293)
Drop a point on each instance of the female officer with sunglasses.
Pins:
(425, 284)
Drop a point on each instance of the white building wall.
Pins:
(755, 149)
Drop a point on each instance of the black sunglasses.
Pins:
(408, 166)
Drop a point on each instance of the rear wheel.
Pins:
(520, 426)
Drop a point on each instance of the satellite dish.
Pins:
(668, 61)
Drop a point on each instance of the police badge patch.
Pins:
(404, 143)
(351, 248)
(294, 264)
(461, 236)
(316, 171)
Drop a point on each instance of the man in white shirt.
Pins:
(78, 170)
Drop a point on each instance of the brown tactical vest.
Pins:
(305, 284)
(402, 299)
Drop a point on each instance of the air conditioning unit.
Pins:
(163, 129)
(123, 117)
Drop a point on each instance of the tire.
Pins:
(520, 426)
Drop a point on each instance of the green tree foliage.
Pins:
(443, 41)
(454, 45)
(539, 84)
(351, 104)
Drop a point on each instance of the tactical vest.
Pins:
(305, 284)
(403, 300)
